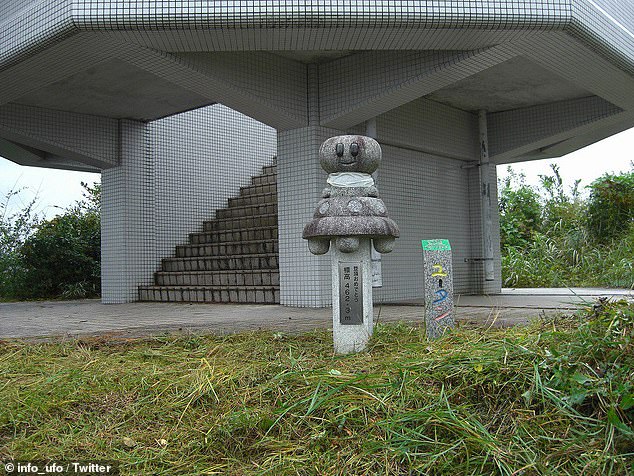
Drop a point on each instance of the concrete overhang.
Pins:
(145, 60)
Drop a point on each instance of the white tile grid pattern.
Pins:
(476, 268)
(304, 278)
(520, 127)
(128, 237)
(296, 13)
(11, 7)
(613, 19)
(92, 137)
(201, 158)
(29, 30)
(427, 197)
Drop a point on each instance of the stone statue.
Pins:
(350, 209)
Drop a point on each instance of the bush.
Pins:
(572, 242)
(53, 258)
(63, 257)
(14, 230)
(611, 206)
(520, 211)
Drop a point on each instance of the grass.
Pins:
(570, 259)
(556, 397)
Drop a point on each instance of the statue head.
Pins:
(350, 154)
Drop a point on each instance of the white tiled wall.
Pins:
(304, 278)
(174, 173)
(201, 158)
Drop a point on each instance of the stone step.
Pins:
(257, 189)
(269, 169)
(254, 294)
(258, 277)
(254, 199)
(224, 224)
(227, 249)
(264, 179)
(247, 211)
(221, 263)
(248, 234)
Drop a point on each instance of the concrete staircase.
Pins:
(235, 256)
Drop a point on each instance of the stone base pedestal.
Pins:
(352, 320)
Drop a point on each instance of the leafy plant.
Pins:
(15, 228)
(520, 211)
(567, 243)
(611, 206)
(52, 258)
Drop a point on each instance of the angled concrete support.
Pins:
(513, 134)
(54, 138)
(271, 90)
(361, 86)
(61, 61)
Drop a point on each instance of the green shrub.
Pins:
(63, 257)
(520, 211)
(14, 230)
(611, 206)
(53, 258)
(569, 244)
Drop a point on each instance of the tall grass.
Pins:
(568, 259)
(553, 398)
(554, 238)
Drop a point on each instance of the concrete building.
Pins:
(180, 103)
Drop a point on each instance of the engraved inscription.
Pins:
(350, 293)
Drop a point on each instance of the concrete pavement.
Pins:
(68, 319)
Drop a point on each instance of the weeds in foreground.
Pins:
(555, 398)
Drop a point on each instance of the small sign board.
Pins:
(350, 293)
(438, 283)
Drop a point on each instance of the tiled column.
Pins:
(479, 283)
(304, 278)
(128, 249)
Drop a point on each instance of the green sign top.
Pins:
(436, 245)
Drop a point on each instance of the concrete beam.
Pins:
(271, 90)
(60, 61)
(586, 136)
(27, 156)
(579, 65)
(47, 138)
(361, 86)
(515, 134)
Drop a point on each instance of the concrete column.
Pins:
(128, 248)
(479, 284)
(486, 199)
(304, 278)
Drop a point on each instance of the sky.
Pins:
(59, 189)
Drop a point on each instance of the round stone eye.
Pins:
(354, 149)
(339, 149)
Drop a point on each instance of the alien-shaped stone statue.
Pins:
(350, 209)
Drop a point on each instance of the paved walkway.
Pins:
(91, 318)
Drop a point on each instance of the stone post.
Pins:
(352, 218)
(438, 282)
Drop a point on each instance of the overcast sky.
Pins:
(58, 189)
